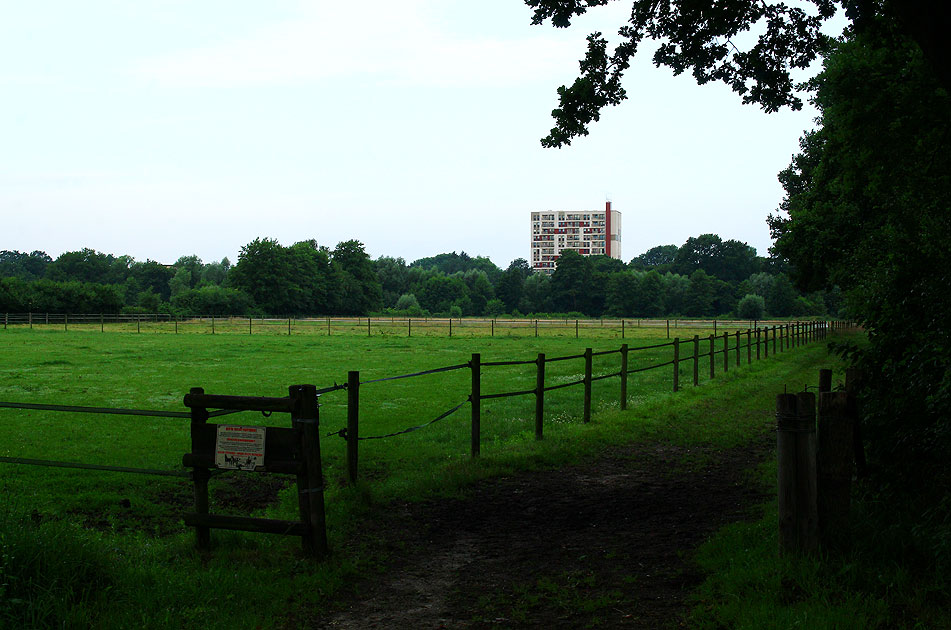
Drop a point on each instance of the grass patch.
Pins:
(127, 560)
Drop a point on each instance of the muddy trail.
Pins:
(605, 544)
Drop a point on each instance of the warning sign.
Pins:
(240, 448)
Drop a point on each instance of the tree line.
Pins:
(704, 277)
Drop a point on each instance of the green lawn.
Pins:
(79, 542)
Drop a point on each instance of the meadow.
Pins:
(77, 542)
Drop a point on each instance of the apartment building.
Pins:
(588, 233)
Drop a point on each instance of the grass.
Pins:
(109, 550)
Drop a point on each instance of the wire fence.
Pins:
(368, 326)
(758, 342)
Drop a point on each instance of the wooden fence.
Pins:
(297, 450)
(429, 326)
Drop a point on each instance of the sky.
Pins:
(163, 128)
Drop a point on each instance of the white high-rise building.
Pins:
(588, 233)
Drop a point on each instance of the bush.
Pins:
(752, 306)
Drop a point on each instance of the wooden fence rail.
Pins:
(296, 450)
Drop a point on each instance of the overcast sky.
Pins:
(161, 128)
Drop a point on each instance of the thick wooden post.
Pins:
(576, 329)
(310, 484)
(749, 346)
(774, 339)
(806, 471)
(328, 326)
(696, 360)
(353, 424)
(676, 364)
(712, 356)
(586, 416)
(539, 394)
(622, 329)
(200, 476)
(492, 333)
(766, 342)
(786, 423)
(623, 376)
(668, 329)
(450, 327)
(409, 327)
(368, 326)
(834, 468)
(825, 382)
(795, 445)
(536, 327)
(475, 401)
(758, 337)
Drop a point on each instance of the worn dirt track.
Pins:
(604, 544)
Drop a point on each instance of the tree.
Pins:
(264, 271)
(623, 294)
(867, 209)
(360, 289)
(656, 257)
(571, 283)
(751, 307)
(702, 37)
(510, 286)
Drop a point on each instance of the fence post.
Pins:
(576, 329)
(212, 324)
(409, 327)
(475, 401)
(712, 355)
(623, 376)
(766, 342)
(738, 360)
(200, 476)
(726, 352)
(825, 382)
(368, 326)
(676, 363)
(622, 329)
(696, 360)
(786, 471)
(65, 322)
(450, 327)
(492, 333)
(102, 323)
(587, 384)
(176, 324)
(749, 346)
(668, 329)
(536, 327)
(758, 337)
(795, 445)
(834, 468)
(6, 318)
(31, 320)
(310, 485)
(328, 326)
(774, 339)
(353, 423)
(539, 394)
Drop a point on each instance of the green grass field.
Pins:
(84, 541)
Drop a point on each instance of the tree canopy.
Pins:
(702, 37)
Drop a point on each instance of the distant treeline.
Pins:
(704, 277)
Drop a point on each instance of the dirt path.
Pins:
(599, 545)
